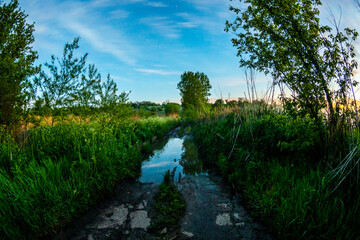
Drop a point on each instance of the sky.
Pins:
(146, 45)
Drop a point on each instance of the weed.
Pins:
(169, 206)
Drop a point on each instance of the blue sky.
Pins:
(147, 44)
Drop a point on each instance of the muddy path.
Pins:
(212, 211)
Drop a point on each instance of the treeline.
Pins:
(148, 108)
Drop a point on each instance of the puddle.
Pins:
(178, 155)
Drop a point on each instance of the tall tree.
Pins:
(60, 88)
(16, 62)
(194, 90)
(109, 99)
(285, 39)
(88, 89)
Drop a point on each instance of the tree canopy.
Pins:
(172, 109)
(16, 62)
(194, 90)
(286, 40)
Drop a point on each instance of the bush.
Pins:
(172, 109)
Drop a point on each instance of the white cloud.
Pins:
(156, 4)
(83, 19)
(157, 72)
(103, 43)
(119, 14)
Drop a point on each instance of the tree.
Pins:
(194, 90)
(16, 62)
(89, 88)
(286, 40)
(60, 88)
(108, 96)
(172, 109)
(218, 104)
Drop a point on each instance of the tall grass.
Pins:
(62, 170)
(278, 163)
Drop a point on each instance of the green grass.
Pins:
(275, 161)
(169, 206)
(62, 170)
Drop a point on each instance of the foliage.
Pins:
(108, 97)
(73, 87)
(285, 38)
(172, 109)
(194, 90)
(16, 62)
(60, 89)
(62, 170)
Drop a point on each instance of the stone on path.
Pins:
(223, 219)
(139, 219)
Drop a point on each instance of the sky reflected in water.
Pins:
(179, 153)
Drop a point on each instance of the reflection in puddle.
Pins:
(178, 155)
(189, 158)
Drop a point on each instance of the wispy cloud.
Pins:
(163, 26)
(103, 43)
(144, 2)
(157, 72)
(156, 4)
(212, 25)
(82, 19)
(206, 5)
(119, 14)
(121, 79)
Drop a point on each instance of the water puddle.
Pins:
(179, 155)
(212, 211)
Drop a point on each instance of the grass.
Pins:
(62, 170)
(276, 162)
(169, 206)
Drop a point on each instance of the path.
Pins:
(212, 212)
